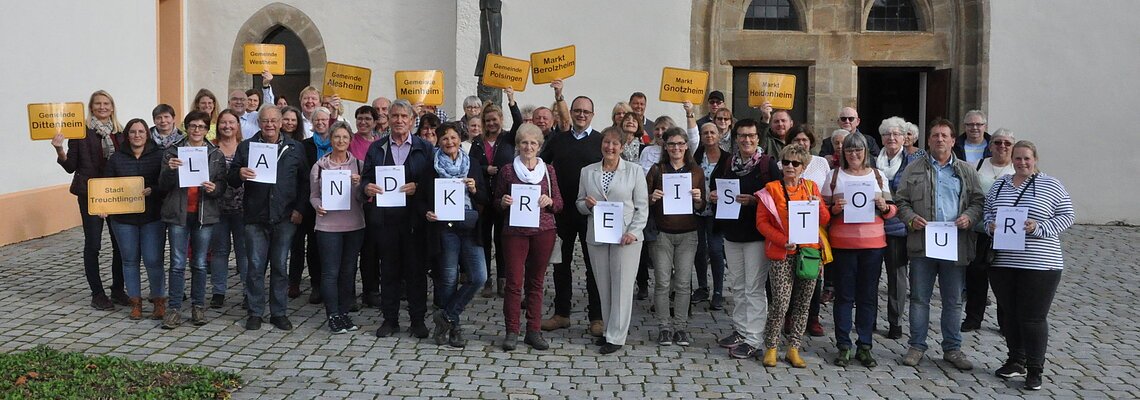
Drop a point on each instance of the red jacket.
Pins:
(773, 210)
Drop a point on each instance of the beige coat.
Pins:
(915, 197)
(627, 187)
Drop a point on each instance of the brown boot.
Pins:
(597, 328)
(555, 322)
(159, 308)
(136, 308)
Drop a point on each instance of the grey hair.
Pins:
(843, 132)
(892, 122)
(313, 115)
(856, 141)
(979, 113)
(339, 125)
(1003, 132)
(401, 103)
(911, 128)
(471, 101)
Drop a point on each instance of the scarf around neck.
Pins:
(324, 146)
(743, 167)
(528, 176)
(106, 137)
(448, 168)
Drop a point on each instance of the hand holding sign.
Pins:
(860, 207)
(677, 197)
(609, 222)
(681, 85)
(942, 240)
(726, 205)
(336, 190)
(777, 89)
(505, 72)
(1009, 228)
(390, 178)
(263, 162)
(195, 166)
(551, 65)
(803, 222)
(525, 207)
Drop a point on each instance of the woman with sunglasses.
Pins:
(999, 164)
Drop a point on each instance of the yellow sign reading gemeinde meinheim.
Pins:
(47, 119)
(552, 64)
(502, 72)
(260, 57)
(778, 89)
(122, 195)
(349, 82)
(423, 86)
(681, 85)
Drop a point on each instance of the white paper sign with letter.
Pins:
(1009, 228)
(803, 222)
(726, 205)
(677, 188)
(263, 162)
(524, 205)
(390, 178)
(449, 201)
(336, 189)
(860, 207)
(942, 240)
(195, 167)
(609, 221)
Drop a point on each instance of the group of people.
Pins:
(277, 224)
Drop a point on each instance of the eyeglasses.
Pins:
(1002, 143)
(723, 119)
(854, 150)
(793, 163)
(847, 119)
(716, 101)
(196, 127)
(747, 136)
(676, 144)
(582, 112)
(241, 99)
(976, 124)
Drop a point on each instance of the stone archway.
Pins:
(265, 20)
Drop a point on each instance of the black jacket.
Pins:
(148, 165)
(85, 160)
(503, 152)
(479, 200)
(418, 168)
(174, 207)
(960, 146)
(743, 229)
(266, 203)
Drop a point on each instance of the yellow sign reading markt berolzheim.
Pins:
(47, 119)
(546, 66)
(681, 85)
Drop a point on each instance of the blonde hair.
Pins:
(114, 113)
(1025, 144)
(797, 151)
(203, 92)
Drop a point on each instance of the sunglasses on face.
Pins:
(1003, 143)
(847, 119)
(793, 163)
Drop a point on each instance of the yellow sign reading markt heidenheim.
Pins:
(349, 82)
(116, 195)
(424, 86)
(260, 57)
(553, 64)
(48, 119)
(503, 72)
(681, 85)
(778, 89)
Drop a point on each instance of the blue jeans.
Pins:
(923, 272)
(229, 225)
(142, 244)
(183, 238)
(338, 268)
(710, 251)
(268, 245)
(459, 247)
(856, 293)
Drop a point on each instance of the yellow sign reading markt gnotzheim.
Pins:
(116, 195)
(681, 85)
(47, 119)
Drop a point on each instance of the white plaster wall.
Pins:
(60, 51)
(1063, 74)
(384, 36)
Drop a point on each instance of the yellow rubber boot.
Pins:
(770, 357)
(793, 357)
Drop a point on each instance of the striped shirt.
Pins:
(1050, 205)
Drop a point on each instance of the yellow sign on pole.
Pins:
(423, 86)
(681, 85)
(503, 72)
(47, 119)
(116, 195)
(552, 64)
(260, 57)
(778, 89)
(349, 82)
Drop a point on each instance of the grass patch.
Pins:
(45, 373)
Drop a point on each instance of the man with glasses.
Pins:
(568, 152)
(973, 144)
(272, 213)
(716, 101)
(849, 121)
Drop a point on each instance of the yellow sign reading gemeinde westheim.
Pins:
(260, 57)
(503, 72)
(778, 89)
(349, 82)
(116, 195)
(681, 85)
(553, 64)
(47, 119)
(425, 86)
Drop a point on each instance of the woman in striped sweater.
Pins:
(1025, 281)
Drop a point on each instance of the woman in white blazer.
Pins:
(615, 265)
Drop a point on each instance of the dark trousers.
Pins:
(977, 281)
(898, 280)
(338, 269)
(492, 231)
(305, 251)
(643, 268)
(572, 228)
(1024, 296)
(370, 260)
(92, 243)
(856, 293)
(401, 264)
(527, 257)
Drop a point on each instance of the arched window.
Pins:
(772, 15)
(893, 15)
(296, 64)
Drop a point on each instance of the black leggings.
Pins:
(1023, 297)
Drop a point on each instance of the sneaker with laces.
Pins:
(665, 337)
(173, 319)
(681, 338)
(743, 351)
(1011, 369)
(912, 357)
(102, 302)
(347, 323)
(843, 357)
(731, 341)
(1033, 380)
(863, 354)
(455, 337)
(958, 359)
(699, 295)
(440, 328)
(336, 325)
(198, 315)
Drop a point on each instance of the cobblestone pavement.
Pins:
(1093, 346)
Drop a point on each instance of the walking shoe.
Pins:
(743, 351)
(217, 301)
(912, 358)
(555, 322)
(294, 291)
(419, 330)
(958, 358)
(281, 323)
(535, 340)
(1033, 380)
(172, 319)
(253, 323)
(665, 337)
(681, 338)
(120, 297)
(346, 321)
(609, 348)
(731, 341)
(136, 308)
(642, 292)
(863, 354)
(717, 303)
(970, 326)
(597, 328)
(793, 357)
(814, 328)
(336, 324)
(439, 332)
(315, 296)
(488, 290)
(510, 341)
(895, 332)
(455, 337)
(770, 356)
(699, 295)
(101, 302)
(159, 308)
(387, 329)
(843, 358)
(198, 315)
(600, 341)
(1011, 369)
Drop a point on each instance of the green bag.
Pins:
(807, 263)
